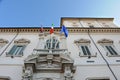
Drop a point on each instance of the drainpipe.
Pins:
(108, 65)
(9, 44)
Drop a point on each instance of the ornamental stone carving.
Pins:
(82, 41)
(22, 41)
(105, 41)
(50, 63)
(3, 42)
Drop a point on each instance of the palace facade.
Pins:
(90, 52)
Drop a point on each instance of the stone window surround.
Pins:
(18, 42)
(103, 42)
(3, 42)
(84, 42)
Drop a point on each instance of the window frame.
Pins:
(84, 50)
(108, 52)
(84, 42)
(52, 44)
(81, 53)
(18, 52)
(108, 42)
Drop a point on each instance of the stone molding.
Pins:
(22, 41)
(3, 42)
(82, 41)
(57, 30)
(105, 41)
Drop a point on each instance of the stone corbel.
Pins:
(27, 75)
(68, 75)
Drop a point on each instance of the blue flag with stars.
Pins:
(64, 29)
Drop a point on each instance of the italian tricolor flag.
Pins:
(52, 29)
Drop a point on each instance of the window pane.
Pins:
(21, 50)
(52, 44)
(88, 52)
(57, 45)
(17, 50)
(109, 49)
(12, 50)
(84, 51)
(115, 53)
(48, 42)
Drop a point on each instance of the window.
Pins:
(84, 47)
(111, 50)
(109, 47)
(18, 47)
(85, 50)
(52, 44)
(16, 50)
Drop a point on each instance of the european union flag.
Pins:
(64, 29)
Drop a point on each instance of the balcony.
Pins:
(50, 51)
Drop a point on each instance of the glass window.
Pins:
(52, 44)
(111, 50)
(85, 50)
(17, 50)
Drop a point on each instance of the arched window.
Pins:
(52, 44)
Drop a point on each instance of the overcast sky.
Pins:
(45, 12)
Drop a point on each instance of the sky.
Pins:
(34, 13)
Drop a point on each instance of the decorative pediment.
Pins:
(3, 41)
(22, 41)
(49, 62)
(105, 41)
(82, 41)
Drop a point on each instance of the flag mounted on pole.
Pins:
(41, 29)
(64, 29)
(52, 29)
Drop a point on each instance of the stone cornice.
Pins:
(57, 29)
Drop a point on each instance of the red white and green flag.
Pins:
(52, 29)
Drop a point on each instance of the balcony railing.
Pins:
(50, 51)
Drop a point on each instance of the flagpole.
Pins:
(51, 33)
(41, 37)
(65, 31)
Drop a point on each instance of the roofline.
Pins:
(88, 17)
(84, 18)
(24, 27)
